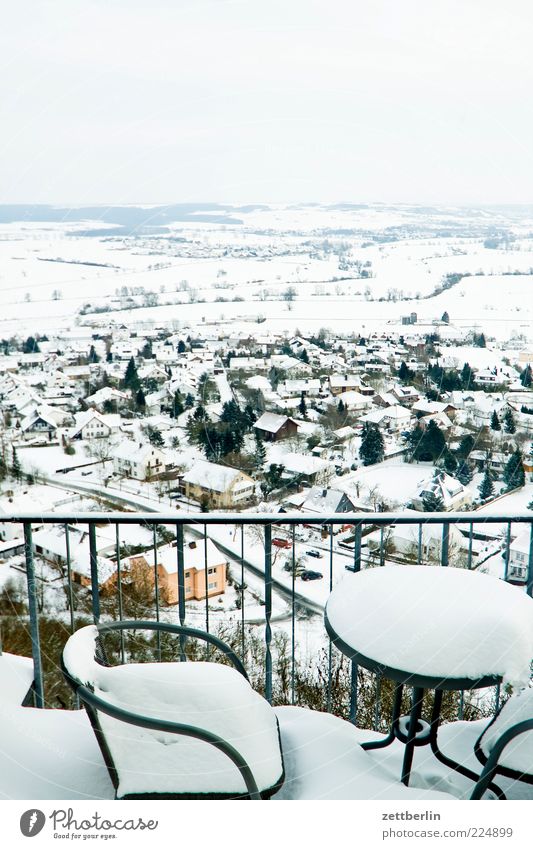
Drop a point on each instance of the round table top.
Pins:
(433, 627)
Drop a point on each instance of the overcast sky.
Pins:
(159, 101)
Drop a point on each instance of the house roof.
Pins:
(272, 422)
(213, 476)
(195, 552)
(322, 500)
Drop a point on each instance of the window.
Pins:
(212, 586)
(187, 574)
(211, 571)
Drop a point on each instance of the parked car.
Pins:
(309, 575)
(314, 552)
(281, 543)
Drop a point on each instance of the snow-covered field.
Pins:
(352, 267)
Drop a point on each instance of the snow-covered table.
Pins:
(431, 628)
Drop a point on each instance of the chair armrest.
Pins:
(180, 630)
(95, 702)
(491, 765)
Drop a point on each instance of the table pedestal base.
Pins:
(413, 731)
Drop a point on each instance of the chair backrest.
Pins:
(516, 757)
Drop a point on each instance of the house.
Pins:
(308, 469)
(138, 460)
(222, 486)
(273, 427)
(295, 388)
(404, 394)
(519, 556)
(40, 424)
(406, 539)
(93, 425)
(449, 490)
(355, 402)
(197, 555)
(326, 501)
(395, 418)
(339, 383)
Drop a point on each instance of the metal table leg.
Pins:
(414, 717)
(396, 713)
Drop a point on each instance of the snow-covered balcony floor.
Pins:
(53, 754)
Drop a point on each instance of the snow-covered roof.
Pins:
(272, 422)
(212, 476)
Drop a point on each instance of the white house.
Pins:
(138, 460)
(93, 425)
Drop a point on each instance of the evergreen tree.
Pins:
(177, 404)
(428, 444)
(109, 357)
(466, 445)
(486, 487)
(509, 424)
(445, 317)
(302, 407)
(181, 347)
(341, 407)
(479, 340)
(30, 346)
(404, 372)
(189, 401)
(432, 502)
(260, 452)
(513, 474)
(140, 399)
(450, 463)
(155, 437)
(494, 421)
(464, 473)
(372, 449)
(304, 356)
(16, 469)
(93, 356)
(467, 376)
(3, 466)
(131, 378)
(526, 377)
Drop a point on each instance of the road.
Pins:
(146, 505)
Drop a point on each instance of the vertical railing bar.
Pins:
(293, 616)
(445, 552)
(507, 551)
(34, 617)
(207, 648)
(461, 711)
(119, 591)
(156, 590)
(181, 585)
(381, 538)
(377, 705)
(353, 692)
(497, 696)
(470, 545)
(243, 646)
(69, 579)
(268, 612)
(419, 552)
(529, 579)
(330, 644)
(93, 556)
(357, 547)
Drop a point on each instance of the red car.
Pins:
(281, 543)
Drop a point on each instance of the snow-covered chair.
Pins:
(176, 730)
(506, 744)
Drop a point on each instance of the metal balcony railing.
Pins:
(502, 529)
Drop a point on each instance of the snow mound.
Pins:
(435, 621)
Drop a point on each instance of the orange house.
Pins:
(198, 554)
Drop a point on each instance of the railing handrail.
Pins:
(136, 518)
